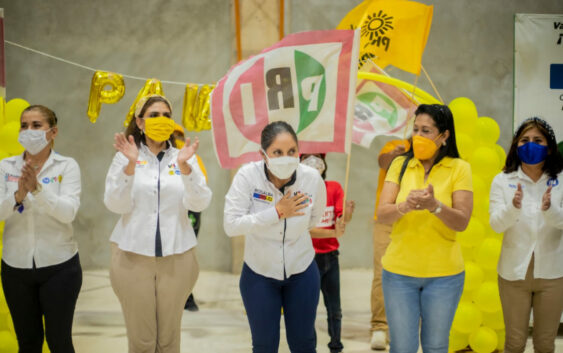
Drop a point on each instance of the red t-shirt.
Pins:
(333, 210)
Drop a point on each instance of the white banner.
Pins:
(538, 69)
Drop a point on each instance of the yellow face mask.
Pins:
(159, 129)
(180, 143)
(423, 147)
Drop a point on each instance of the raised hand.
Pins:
(289, 206)
(188, 150)
(546, 199)
(349, 207)
(518, 195)
(126, 146)
(29, 177)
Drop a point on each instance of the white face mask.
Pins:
(315, 162)
(33, 140)
(282, 167)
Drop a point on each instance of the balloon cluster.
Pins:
(10, 113)
(478, 321)
(195, 116)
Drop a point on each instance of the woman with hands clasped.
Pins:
(526, 203)
(274, 203)
(428, 197)
(152, 185)
(41, 272)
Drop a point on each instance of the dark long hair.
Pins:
(134, 130)
(272, 130)
(444, 120)
(553, 162)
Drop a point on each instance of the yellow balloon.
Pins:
(152, 86)
(487, 297)
(501, 336)
(488, 253)
(467, 318)
(487, 130)
(9, 138)
(99, 95)
(465, 145)
(8, 342)
(501, 155)
(465, 115)
(467, 253)
(458, 341)
(188, 119)
(202, 106)
(484, 162)
(14, 109)
(473, 276)
(481, 209)
(494, 320)
(3, 154)
(480, 188)
(466, 296)
(473, 234)
(483, 340)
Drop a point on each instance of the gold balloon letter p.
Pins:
(99, 95)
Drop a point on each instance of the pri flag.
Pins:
(393, 32)
(307, 79)
(381, 109)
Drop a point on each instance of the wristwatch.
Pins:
(438, 209)
(37, 190)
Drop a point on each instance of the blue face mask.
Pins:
(532, 153)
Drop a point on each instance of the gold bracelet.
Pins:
(399, 210)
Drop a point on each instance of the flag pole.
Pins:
(347, 175)
(432, 84)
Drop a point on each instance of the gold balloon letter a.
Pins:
(152, 86)
(99, 95)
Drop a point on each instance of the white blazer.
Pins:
(528, 230)
(273, 245)
(42, 231)
(138, 200)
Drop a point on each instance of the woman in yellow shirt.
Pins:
(428, 197)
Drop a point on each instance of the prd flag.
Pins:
(307, 79)
(393, 32)
(381, 109)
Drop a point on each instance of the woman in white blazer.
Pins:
(526, 203)
(274, 203)
(39, 198)
(152, 185)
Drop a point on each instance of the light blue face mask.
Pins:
(532, 153)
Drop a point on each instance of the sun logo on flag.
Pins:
(376, 25)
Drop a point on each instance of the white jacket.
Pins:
(528, 230)
(136, 199)
(43, 230)
(273, 245)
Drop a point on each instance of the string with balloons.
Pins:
(109, 88)
(478, 321)
(10, 113)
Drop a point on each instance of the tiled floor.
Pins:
(220, 325)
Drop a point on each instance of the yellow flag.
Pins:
(393, 32)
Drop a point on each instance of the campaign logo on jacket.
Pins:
(173, 169)
(262, 196)
(49, 180)
(11, 178)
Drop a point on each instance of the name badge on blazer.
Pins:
(10, 178)
(262, 196)
(141, 164)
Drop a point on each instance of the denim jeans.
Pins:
(263, 300)
(330, 288)
(432, 302)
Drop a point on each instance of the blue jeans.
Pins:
(432, 302)
(263, 300)
(330, 288)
